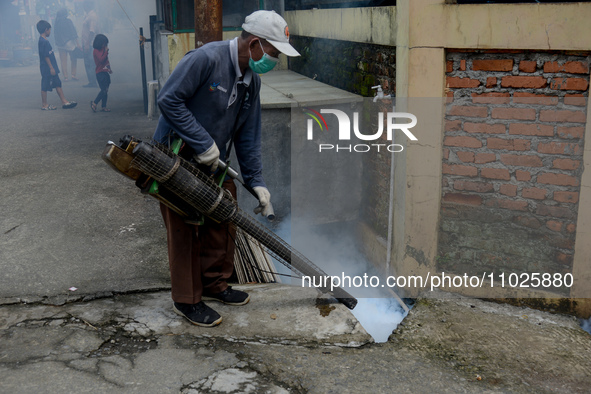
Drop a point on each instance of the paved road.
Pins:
(67, 219)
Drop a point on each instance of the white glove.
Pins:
(209, 157)
(264, 201)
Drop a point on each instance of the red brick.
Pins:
(453, 125)
(479, 187)
(471, 112)
(449, 66)
(572, 197)
(495, 173)
(510, 144)
(530, 98)
(571, 228)
(542, 130)
(527, 221)
(492, 65)
(554, 225)
(491, 82)
(462, 65)
(568, 67)
(466, 157)
(522, 176)
(482, 158)
(575, 99)
(449, 212)
(457, 169)
(565, 259)
(566, 164)
(536, 82)
(562, 243)
(507, 204)
(533, 192)
(445, 153)
(570, 132)
(557, 179)
(522, 160)
(559, 148)
(554, 211)
(491, 98)
(569, 84)
(514, 113)
(562, 116)
(485, 128)
(460, 198)
(449, 97)
(527, 66)
(463, 142)
(456, 82)
(508, 190)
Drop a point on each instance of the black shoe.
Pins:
(198, 314)
(229, 296)
(70, 104)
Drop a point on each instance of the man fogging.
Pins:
(211, 101)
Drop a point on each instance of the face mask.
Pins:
(264, 64)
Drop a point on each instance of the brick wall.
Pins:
(512, 163)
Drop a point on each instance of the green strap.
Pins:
(176, 148)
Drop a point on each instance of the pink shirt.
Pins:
(101, 59)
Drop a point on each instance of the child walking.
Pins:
(49, 69)
(103, 69)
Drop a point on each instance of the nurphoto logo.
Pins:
(344, 130)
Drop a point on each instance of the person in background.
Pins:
(49, 69)
(103, 69)
(89, 30)
(212, 98)
(66, 40)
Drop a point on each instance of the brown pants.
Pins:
(201, 258)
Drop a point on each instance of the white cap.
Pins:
(272, 27)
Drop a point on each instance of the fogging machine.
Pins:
(190, 192)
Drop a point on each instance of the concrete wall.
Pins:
(353, 49)
(352, 66)
(179, 44)
(276, 156)
(424, 31)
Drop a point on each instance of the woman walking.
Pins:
(66, 40)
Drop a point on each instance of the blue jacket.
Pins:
(200, 100)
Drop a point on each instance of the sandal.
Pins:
(49, 108)
(74, 78)
(105, 110)
(92, 106)
(69, 105)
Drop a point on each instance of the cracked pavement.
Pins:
(283, 341)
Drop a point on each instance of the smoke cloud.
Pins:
(333, 249)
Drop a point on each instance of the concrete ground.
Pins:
(282, 342)
(67, 220)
